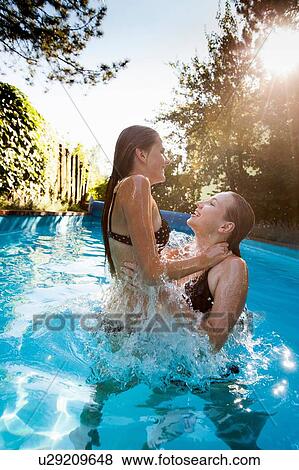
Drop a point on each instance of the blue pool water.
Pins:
(68, 388)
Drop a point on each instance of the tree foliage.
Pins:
(169, 194)
(260, 14)
(98, 190)
(55, 32)
(23, 150)
(238, 127)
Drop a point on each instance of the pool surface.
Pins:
(159, 393)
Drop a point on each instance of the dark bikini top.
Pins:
(161, 236)
(198, 294)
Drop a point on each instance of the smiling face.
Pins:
(153, 162)
(209, 217)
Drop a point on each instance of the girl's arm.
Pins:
(137, 207)
(229, 300)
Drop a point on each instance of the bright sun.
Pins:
(280, 53)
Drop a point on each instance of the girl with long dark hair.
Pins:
(218, 292)
(133, 229)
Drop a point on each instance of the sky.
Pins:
(150, 33)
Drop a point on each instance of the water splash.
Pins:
(160, 349)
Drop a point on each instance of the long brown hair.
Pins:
(241, 213)
(132, 137)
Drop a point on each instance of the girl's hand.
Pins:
(215, 254)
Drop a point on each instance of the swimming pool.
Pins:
(48, 376)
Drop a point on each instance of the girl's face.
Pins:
(156, 163)
(209, 215)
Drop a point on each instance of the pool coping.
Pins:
(271, 242)
(40, 213)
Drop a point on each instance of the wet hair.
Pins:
(129, 140)
(241, 213)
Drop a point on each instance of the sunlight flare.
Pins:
(280, 53)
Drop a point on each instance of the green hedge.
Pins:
(23, 151)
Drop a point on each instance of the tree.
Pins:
(176, 193)
(236, 124)
(55, 32)
(260, 14)
(216, 113)
(279, 159)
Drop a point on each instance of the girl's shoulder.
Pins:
(231, 266)
(228, 263)
(136, 183)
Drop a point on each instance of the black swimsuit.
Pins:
(198, 294)
(161, 236)
(199, 297)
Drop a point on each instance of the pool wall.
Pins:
(17, 221)
(12, 221)
(177, 221)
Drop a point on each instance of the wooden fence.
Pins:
(72, 177)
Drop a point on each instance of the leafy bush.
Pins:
(99, 189)
(25, 146)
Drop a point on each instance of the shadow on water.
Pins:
(237, 425)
